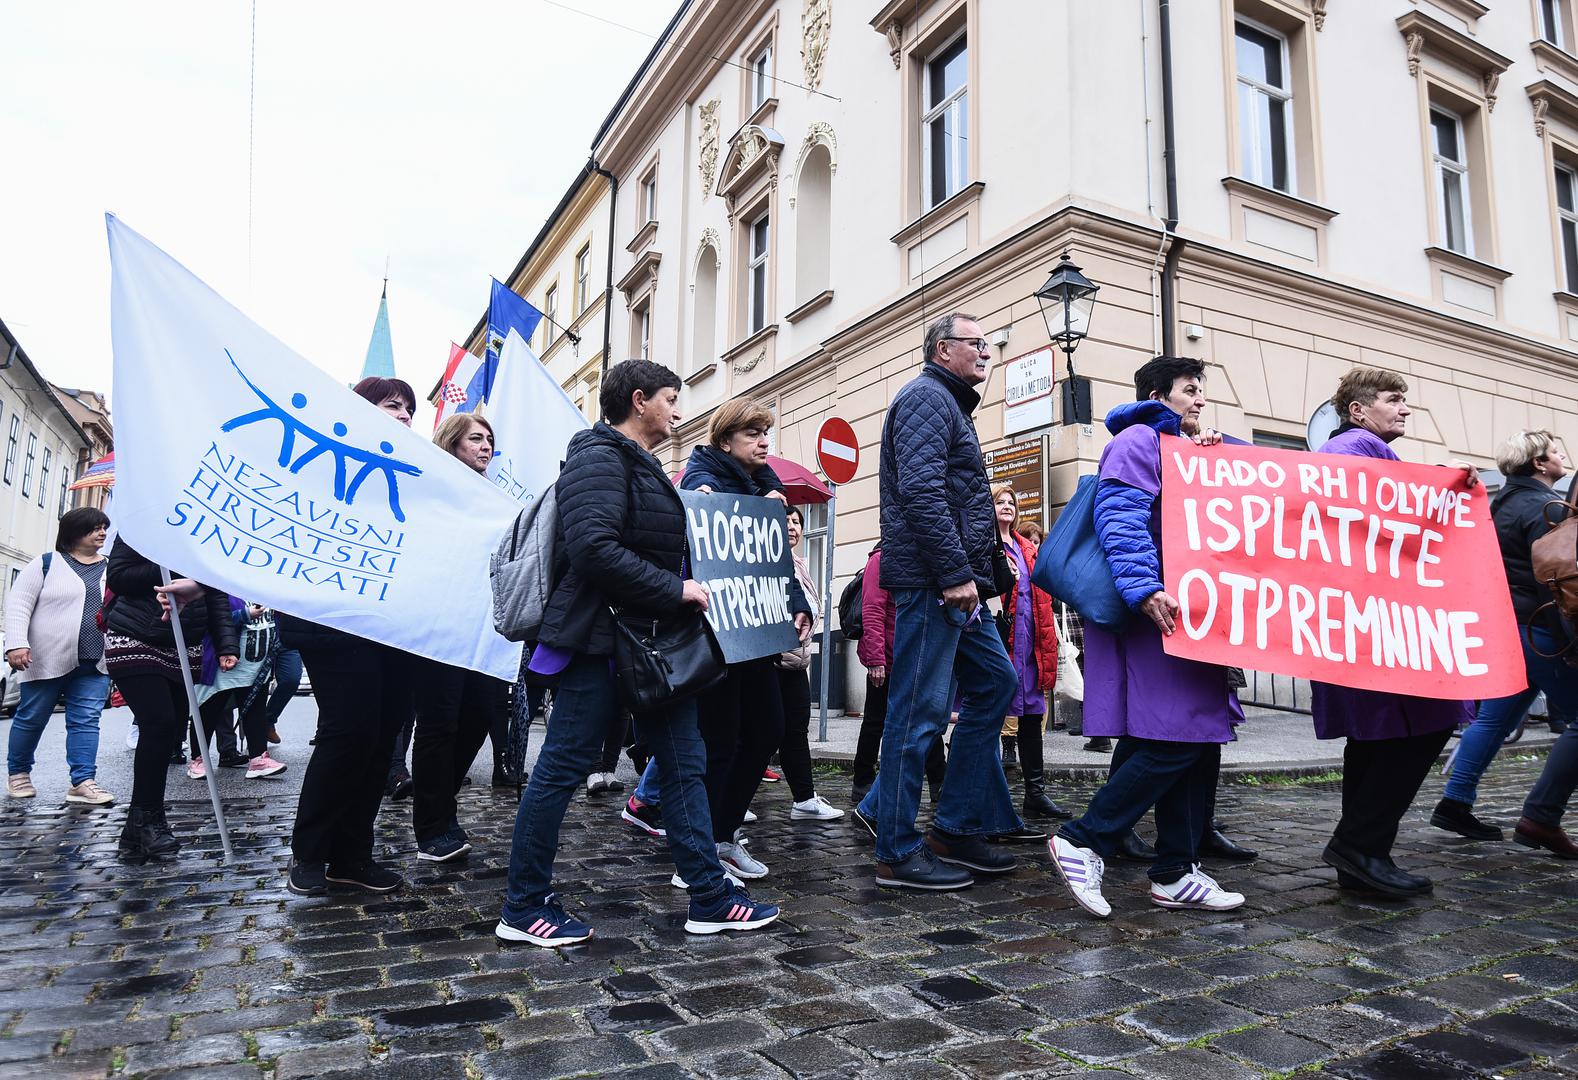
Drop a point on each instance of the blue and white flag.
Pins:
(532, 418)
(507, 310)
(244, 466)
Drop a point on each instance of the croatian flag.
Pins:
(458, 374)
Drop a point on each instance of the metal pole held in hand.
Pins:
(197, 720)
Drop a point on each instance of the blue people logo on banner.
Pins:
(341, 452)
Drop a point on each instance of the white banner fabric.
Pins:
(244, 466)
(533, 419)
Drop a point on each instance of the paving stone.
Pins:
(274, 1043)
(816, 956)
(1461, 1048)
(1077, 999)
(946, 991)
(1183, 1020)
(1473, 993)
(995, 1017)
(805, 1017)
(1003, 1058)
(1344, 1030)
(634, 1016)
(1270, 1049)
(1411, 1012)
(1281, 996)
(1530, 1034)
(480, 1011)
(561, 1057)
(1096, 1044)
(349, 1054)
(703, 1038)
(1545, 971)
(890, 1038)
(811, 1055)
(1395, 1065)
(1189, 1063)
(208, 1050)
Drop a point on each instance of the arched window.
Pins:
(704, 330)
(813, 226)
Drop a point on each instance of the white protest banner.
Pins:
(244, 466)
(532, 418)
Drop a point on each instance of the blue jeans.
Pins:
(647, 791)
(1496, 719)
(84, 690)
(1178, 778)
(287, 679)
(932, 646)
(581, 707)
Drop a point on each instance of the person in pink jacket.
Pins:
(875, 650)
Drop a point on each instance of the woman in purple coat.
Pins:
(1393, 739)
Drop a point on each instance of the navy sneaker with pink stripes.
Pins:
(735, 910)
(546, 925)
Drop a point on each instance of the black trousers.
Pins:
(1032, 764)
(795, 754)
(868, 745)
(455, 711)
(1125, 747)
(1380, 778)
(160, 708)
(218, 714)
(742, 725)
(363, 690)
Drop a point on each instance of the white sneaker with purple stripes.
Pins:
(1197, 890)
(1081, 870)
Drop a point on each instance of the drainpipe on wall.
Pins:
(608, 284)
(1170, 168)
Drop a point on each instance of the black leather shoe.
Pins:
(922, 870)
(970, 852)
(1010, 752)
(1025, 834)
(1133, 849)
(146, 836)
(1418, 881)
(1099, 745)
(1375, 874)
(1216, 846)
(1458, 817)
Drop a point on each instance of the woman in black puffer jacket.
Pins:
(734, 462)
(140, 654)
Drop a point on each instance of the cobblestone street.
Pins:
(194, 969)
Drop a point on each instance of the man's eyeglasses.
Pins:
(980, 345)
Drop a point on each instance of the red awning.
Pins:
(800, 483)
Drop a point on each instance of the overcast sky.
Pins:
(437, 135)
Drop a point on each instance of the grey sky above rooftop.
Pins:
(436, 136)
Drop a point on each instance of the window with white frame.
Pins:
(756, 274)
(1551, 21)
(813, 517)
(27, 465)
(1451, 176)
(1265, 107)
(945, 132)
(1567, 217)
(10, 448)
(550, 310)
(65, 492)
(43, 479)
(583, 278)
(761, 76)
(643, 340)
(649, 198)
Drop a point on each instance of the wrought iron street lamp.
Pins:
(1067, 300)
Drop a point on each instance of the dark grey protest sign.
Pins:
(739, 549)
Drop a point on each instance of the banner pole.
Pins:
(827, 610)
(197, 722)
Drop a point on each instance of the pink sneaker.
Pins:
(196, 769)
(263, 765)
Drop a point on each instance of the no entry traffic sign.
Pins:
(837, 450)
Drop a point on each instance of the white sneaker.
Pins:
(1081, 870)
(132, 732)
(1196, 889)
(749, 817)
(597, 783)
(737, 860)
(815, 808)
(679, 882)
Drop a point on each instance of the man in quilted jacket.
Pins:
(1171, 715)
(938, 534)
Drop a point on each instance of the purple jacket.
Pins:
(1343, 711)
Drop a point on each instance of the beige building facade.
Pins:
(804, 184)
(42, 444)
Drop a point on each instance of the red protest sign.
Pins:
(1381, 575)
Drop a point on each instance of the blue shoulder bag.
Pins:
(1077, 572)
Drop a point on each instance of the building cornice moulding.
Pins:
(1425, 35)
(641, 276)
(1548, 57)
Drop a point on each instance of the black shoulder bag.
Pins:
(660, 662)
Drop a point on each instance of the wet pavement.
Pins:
(197, 969)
